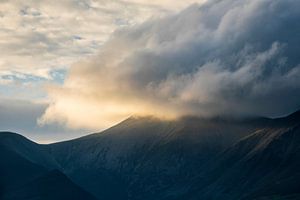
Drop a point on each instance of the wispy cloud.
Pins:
(39, 40)
(42, 35)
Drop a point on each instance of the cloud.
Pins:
(237, 57)
(36, 35)
(39, 40)
(20, 116)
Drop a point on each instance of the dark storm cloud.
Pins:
(224, 57)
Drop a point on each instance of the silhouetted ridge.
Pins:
(26, 172)
(292, 119)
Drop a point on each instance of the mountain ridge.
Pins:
(189, 158)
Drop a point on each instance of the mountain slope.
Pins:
(27, 149)
(15, 170)
(144, 157)
(23, 175)
(49, 186)
(147, 158)
(264, 165)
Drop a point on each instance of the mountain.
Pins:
(27, 149)
(264, 165)
(147, 158)
(27, 172)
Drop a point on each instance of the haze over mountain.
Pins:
(149, 158)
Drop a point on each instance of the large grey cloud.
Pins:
(224, 57)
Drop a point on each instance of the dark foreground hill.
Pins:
(27, 173)
(189, 158)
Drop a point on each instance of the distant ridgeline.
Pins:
(150, 159)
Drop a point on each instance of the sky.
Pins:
(72, 67)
